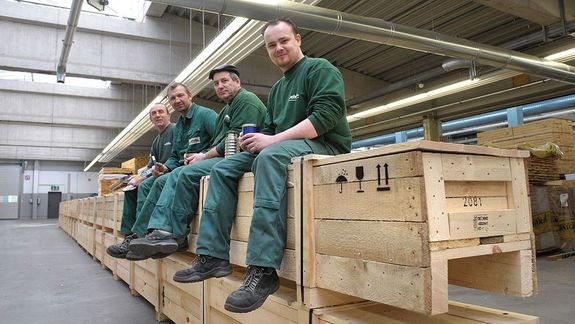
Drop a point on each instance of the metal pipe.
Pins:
(499, 116)
(384, 32)
(73, 18)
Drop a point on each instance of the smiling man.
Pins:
(161, 150)
(178, 203)
(193, 133)
(306, 114)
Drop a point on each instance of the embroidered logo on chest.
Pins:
(293, 97)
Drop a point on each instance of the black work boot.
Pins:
(259, 283)
(204, 267)
(119, 251)
(157, 241)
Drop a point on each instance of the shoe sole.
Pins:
(147, 249)
(258, 304)
(115, 255)
(214, 273)
(136, 258)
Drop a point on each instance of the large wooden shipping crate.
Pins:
(397, 224)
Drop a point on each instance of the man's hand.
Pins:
(159, 169)
(256, 142)
(190, 158)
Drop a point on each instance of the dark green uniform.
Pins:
(193, 133)
(312, 89)
(175, 208)
(161, 149)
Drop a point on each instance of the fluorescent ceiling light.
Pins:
(418, 98)
(566, 55)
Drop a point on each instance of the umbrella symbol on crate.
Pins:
(341, 179)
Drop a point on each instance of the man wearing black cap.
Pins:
(169, 223)
(306, 115)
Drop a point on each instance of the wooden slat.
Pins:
(481, 224)
(401, 286)
(475, 168)
(435, 197)
(391, 242)
(404, 201)
(400, 165)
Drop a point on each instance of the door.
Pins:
(54, 199)
(9, 190)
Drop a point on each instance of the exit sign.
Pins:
(54, 188)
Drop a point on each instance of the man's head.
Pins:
(283, 42)
(226, 80)
(180, 97)
(159, 116)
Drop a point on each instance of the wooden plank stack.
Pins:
(110, 177)
(552, 130)
(135, 164)
(444, 213)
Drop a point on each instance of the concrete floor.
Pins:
(45, 277)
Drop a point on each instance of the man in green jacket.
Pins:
(306, 114)
(178, 203)
(161, 150)
(193, 133)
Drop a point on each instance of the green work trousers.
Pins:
(268, 229)
(129, 211)
(148, 193)
(178, 202)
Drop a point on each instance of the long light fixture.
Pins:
(141, 123)
(566, 55)
(239, 39)
(563, 56)
(418, 98)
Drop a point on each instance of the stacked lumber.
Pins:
(537, 133)
(135, 164)
(110, 179)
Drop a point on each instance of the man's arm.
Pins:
(256, 142)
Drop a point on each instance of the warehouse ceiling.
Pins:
(537, 28)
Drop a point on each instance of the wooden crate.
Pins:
(396, 225)
(88, 210)
(99, 209)
(99, 249)
(86, 237)
(118, 207)
(108, 261)
(145, 280)
(182, 303)
(135, 164)
(108, 221)
(123, 268)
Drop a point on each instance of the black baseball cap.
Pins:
(224, 67)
